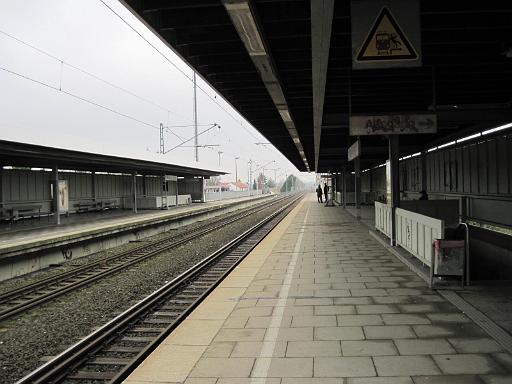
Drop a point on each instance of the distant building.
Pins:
(231, 186)
(234, 186)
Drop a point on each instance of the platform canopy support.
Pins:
(56, 206)
(394, 167)
(357, 186)
(134, 191)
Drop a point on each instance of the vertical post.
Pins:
(165, 190)
(56, 209)
(93, 185)
(203, 194)
(134, 186)
(394, 154)
(357, 186)
(423, 160)
(144, 187)
(344, 183)
(196, 141)
(1, 186)
(334, 186)
(162, 143)
(249, 185)
(236, 170)
(177, 190)
(463, 209)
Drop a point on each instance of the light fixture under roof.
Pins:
(500, 128)
(244, 23)
(285, 115)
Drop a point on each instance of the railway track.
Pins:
(113, 351)
(22, 299)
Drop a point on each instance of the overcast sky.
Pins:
(72, 106)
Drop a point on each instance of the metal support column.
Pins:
(134, 191)
(56, 206)
(144, 187)
(166, 192)
(1, 186)
(93, 185)
(394, 155)
(177, 192)
(357, 186)
(344, 186)
(203, 194)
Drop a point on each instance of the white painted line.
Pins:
(262, 365)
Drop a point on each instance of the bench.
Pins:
(19, 211)
(86, 206)
(107, 204)
(89, 206)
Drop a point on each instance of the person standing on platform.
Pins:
(326, 191)
(319, 193)
(423, 195)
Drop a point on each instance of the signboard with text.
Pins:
(392, 124)
(354, 150)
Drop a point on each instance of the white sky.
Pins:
(89, 36)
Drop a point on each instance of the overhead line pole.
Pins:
(196, 140)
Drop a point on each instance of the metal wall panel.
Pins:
(503, 158)
(492, 179)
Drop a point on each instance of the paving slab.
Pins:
(468, 364)
(343, 367)
(423, 346)
(405, 366)
(388, 332)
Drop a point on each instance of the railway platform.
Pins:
(319, 300)
(31, 247)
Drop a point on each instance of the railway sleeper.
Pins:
(110, 361)
(90, 375)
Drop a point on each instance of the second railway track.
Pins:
(22, 299)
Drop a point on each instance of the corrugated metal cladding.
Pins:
(31, 186)
(480, 171)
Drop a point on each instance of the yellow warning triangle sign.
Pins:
(386, 41)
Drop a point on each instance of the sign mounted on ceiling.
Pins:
(392, 124)
(385, 34)
(354, 150)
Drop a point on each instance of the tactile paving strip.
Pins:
(494, 330)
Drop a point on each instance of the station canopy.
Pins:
(291, 68)
(37, 156)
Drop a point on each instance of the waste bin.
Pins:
(448, 259)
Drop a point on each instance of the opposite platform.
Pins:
(320, 301)
(32, 249)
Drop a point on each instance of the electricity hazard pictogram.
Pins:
(386, 41)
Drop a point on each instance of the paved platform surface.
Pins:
(77, 224)
(320, 301)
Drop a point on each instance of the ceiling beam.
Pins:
(245, 20)
(321, 22)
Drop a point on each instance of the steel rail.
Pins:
(58, 368)
(164, 245)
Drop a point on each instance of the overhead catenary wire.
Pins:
(42, 83)
(63, 63)
(190, 78)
